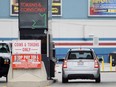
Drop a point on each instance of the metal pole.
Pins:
(110, 63)
(102, 64)
(48, 43)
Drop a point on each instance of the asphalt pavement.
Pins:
(108, 79)
(24, 84)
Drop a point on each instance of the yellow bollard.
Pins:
(102, 63)
(110, 63)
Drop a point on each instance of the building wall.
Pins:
(5, 10)
(9, 29)
(78, 9)
(73, 29)
(97, 34)
(83, 28)
(71, 9)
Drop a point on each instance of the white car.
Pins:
(81, 64)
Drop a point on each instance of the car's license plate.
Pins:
(80, 63)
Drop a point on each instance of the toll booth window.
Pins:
(4, 48)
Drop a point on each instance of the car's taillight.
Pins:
(96, 64)
(6, 61)
(65, 64)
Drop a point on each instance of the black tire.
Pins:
(64, 80)
(98, 80)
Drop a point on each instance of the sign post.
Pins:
(26, 54)
(33, 25)
(57, 8)
(26, 62)
(33, 14)
(102, 8)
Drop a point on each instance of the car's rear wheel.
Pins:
(64, 80)
(98, 80)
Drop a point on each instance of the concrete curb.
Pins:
(108, 71)
(49, 82)
(30, 84)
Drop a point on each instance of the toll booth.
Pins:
(33, 25)
(47, 48)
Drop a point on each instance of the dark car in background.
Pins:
(113, 55)
(5, 56)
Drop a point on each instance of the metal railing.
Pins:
(107, 66)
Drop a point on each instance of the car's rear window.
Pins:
(80, 55)
(4, 48)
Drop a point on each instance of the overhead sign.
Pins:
(14, 7)
(33, 14)
(57, 8)
(26, 54)
(102, 8)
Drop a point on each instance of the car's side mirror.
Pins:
(100, 59)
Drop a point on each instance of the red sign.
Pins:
(33, 14)
(26, 61)
(33, 7)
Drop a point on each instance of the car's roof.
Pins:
(80, 49)
(5, 42)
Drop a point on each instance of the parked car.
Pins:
(5, 56)
(81, 64)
